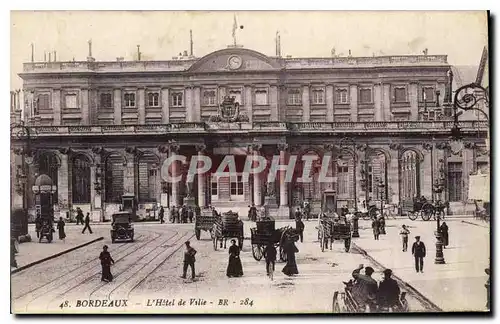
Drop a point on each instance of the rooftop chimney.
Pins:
(191, 43)
(44, 56)
(185, 53)
(55, 56)
(32, 52)
(138, 52)
(49, 56)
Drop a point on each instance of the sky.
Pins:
(162, 34)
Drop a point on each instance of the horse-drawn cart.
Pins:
(331, 227)
(228, 225)
(205, 223)
(265, 233)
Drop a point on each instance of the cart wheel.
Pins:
(257, 252)
(412, 215)
(347, 244)
(240, 242)
(49, 238)
(336, 304)
(283, 256)
(426, 212)
(198, 233)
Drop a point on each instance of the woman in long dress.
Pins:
(290, 268)
(106, 261)
(444, 233)
(60, 228)
(234, 268)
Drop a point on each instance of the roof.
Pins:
(482, 66)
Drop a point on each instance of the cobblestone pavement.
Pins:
(150, 268)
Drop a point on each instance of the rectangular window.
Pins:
(261, 97)
(294, 97)
(213, 186)
(236, 186)
(236, 94)
(153, 99)
(318, 96)
(70, 101)
(428, 94)
(43, 103)
(106, 100)
(365, 95)
(176, 99)
(342, 97)
(129, 99)
(455, 181)
(482, 166)
(209, 98)
(400, 94)
(343, 180)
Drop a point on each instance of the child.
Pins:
(404, 235)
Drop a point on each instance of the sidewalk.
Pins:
(33, 251)
(457, 285)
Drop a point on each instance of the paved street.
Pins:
(151, 267)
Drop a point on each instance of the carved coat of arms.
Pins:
(229, 111)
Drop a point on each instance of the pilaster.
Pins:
(141, 102)
(306, 104)
(56, 106)
(165, 108)
(413, 96)
(84, 95)
(353, 102)
(117, 101)
(378, 99)
(329, 103)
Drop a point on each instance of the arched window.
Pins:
(81, 180)
(48, 163)
(149, 178)
(114, 172)
(410, 176)
(377, 173)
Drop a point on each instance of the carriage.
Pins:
(344, 302)
(205, 223)
(46, 229)
(368, 213)
(122, 228)
(265, 233)
(331, 227)
(427, 209)
(227, 225)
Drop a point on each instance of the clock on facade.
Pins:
(234, 62)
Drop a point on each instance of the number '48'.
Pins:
(64, 304)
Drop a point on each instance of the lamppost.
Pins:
(438, 188)
(24, 134)
(349, 143)
(381, 187)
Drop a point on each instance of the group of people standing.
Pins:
(181, 214)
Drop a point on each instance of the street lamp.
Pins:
(381, 186)
(438, 188)
(349, 143)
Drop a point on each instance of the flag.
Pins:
(235, 26)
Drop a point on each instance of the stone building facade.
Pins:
(103, 129)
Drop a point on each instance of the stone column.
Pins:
(174, 149)
(306, 104)
(56, 106)
(165, 108)
(393, 172)
(196, 104)
(332, 167)
(117, 101)
(284, 210)
(377, 99)
(273, 102)
(96, 197)
(141, 102)
(330, 99)
(84, 95)
(129, 176)
(426, 172)
(257, 179)
(201, 178)
(63, 182)
(353, 103)
(189, 104)
(248, 102)
(386, 102)
(413, 97)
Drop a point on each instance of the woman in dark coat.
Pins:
(234, 268)
(290, 268)
(444, 233)
(60, 227)
(106, 261)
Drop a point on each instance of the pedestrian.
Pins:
(184, 214)
(376, 228)
(60, 227)
(190, 214)
(38, 224)
(161, 215)
(106, 261)
(290, 268)
(87, 224)
(381, 221)
(365, 288)
(189, 260)
(404, 235)
(299, 226)
(418, 251)
(443, 229)
(307, 210)
(79, 216)
(270, 256)
(234, 268)
(172, 214)
(388, 292)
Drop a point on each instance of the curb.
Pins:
(29, 265)
(428, 304)
(466, 222)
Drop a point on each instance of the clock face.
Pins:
(234, 62)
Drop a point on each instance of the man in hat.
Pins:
(388, 291)
(189, 260)
(365, 287)
(418, 251)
